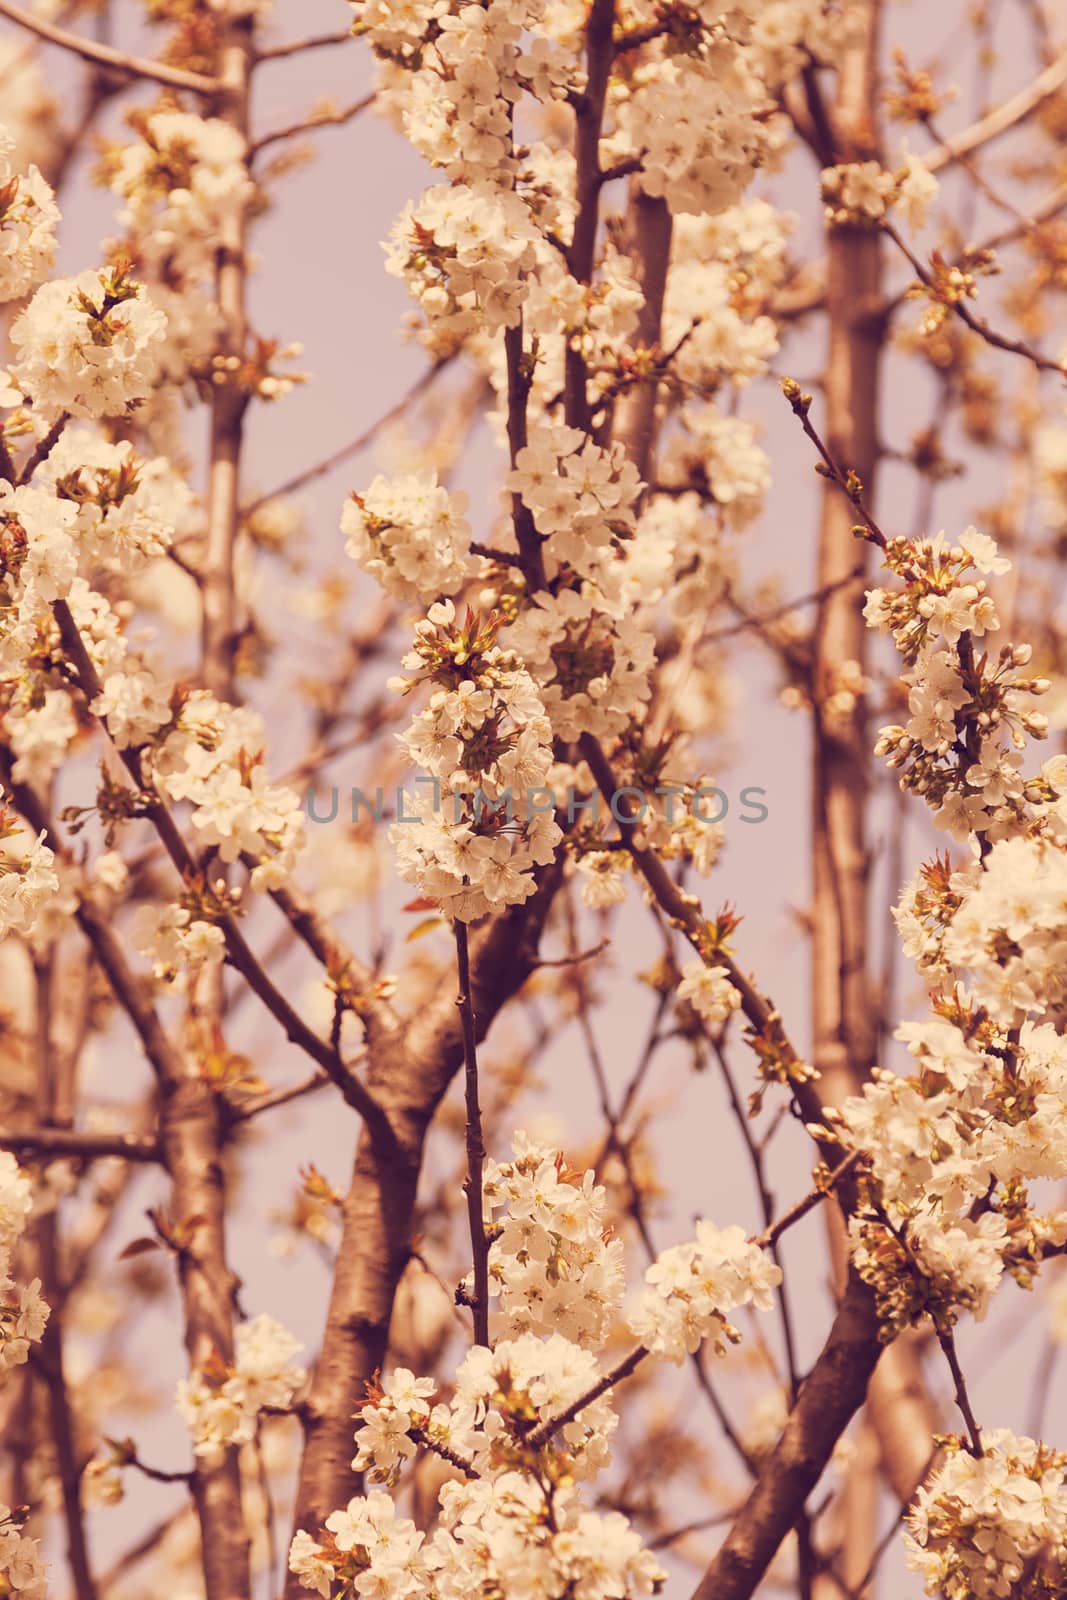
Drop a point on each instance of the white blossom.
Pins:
(88, 345)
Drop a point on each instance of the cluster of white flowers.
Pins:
(38, 564)
(591, 656)
(127, 507)
(968, 720)
(175, 941)
(552, 1261)
(486, 1535)
(213, 757)
(463, 253)
(696, 122)
(40, 730)
(28, 217)
(983, 1116)
(725, 270)
(693, 1287)
(952, 1148)
(515, 1429)
(411, 535)
(993, 1527)
(594, 320)
(863, 191)
(709, 991)
(454, 72)
(181, 180)
(27, 878)
(581, 496)
(21, 1569)
(221, 1404)
(724, 452)
(88, 345)
(23, 1313)
(485, 741)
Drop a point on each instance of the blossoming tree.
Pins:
(514, 1389)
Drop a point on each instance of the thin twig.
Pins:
(475, 1144)
(765, 618)
(772, 1234)
(294, 47)
(327, 119)
(301, 479)
(978, 325)
(622, 1369)
(948, 1344)
(279, 1097)
(849, 484)
(45, 448)
(1003, 117)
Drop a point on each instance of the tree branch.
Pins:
(1004, 117)
(327, 119)
(104, 56)
(475, 1145)
(59, 1142)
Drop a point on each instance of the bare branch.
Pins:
(978, 325)
(58, 1142)
(1003, 117)
(339, 457)
(102, 55)
(475, 1145)
(795, 1213)
(325, 119)
(293, 47)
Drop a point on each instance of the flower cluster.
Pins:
(552, 1261)
(863, 192)
(952, 750)
(176, 941)
(530, 1419)
(701, 153)
(709, 991)
(411, 535)
(590, 655)
(23, 1313)
(88, 345)
(952, 1148)
(127, 507)
(28, 217)
(212, 755)
(21, 1570)
(692, 1287)
(463, 253)
(221, 1403)
(993, 1527)
(181, 180)
(581, 496)
(454, 72)
(485, 1534)
(486, 743)
(27, 878)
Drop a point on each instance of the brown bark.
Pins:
(192, 1129)
(650, 233)
(191, 1133)
(54, 1110)
(831, 1395)
(843, 1013)
(410, 1072)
